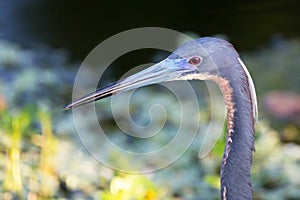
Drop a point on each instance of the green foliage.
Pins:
(213, 180)
(132, 187)
(16, 129)
(14, 126)
(48, 183)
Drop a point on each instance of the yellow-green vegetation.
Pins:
(133, 187)
(42, 181)
(15, 127)
(48, 183)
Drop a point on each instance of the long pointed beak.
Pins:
(166, 70)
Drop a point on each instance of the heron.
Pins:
(212, 59)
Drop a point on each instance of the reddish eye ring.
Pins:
(195, 60)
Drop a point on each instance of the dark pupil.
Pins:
(195, 60)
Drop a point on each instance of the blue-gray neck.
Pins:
(237, 159)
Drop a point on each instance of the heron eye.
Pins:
(194, 60)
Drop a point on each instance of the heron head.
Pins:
(196, 58)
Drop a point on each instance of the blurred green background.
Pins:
(42, 44)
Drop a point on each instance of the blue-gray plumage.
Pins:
(209, 59)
